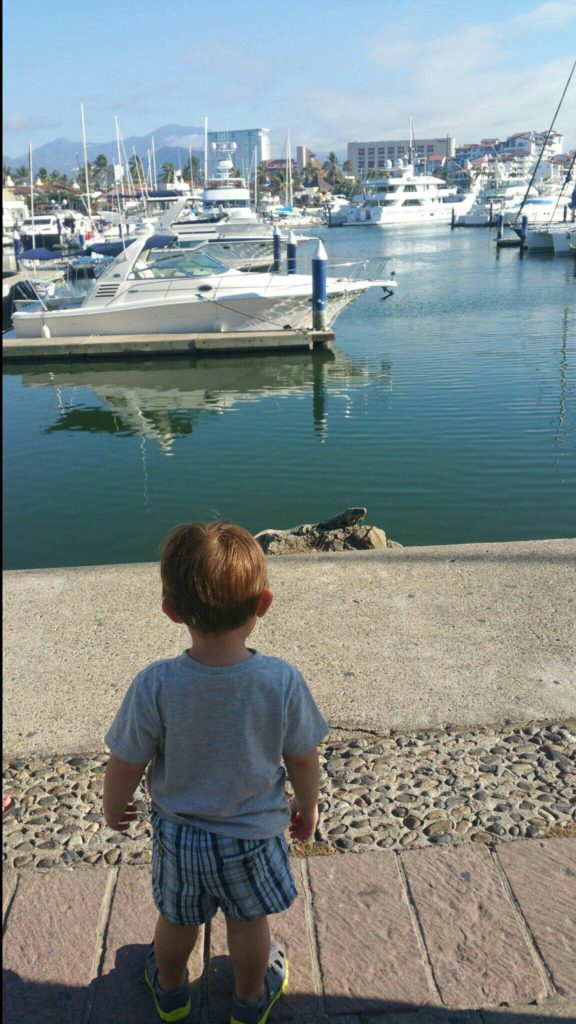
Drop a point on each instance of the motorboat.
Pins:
(564, 241)
(149, 289)
(403, 197)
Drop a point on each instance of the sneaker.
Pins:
(275, 983)
(170, 1006)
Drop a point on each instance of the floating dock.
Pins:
(138, 346)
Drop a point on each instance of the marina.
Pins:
(448, 412)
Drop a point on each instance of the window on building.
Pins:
(371, 151)
(361, 152)
(381, 151)
(429, 149)
(370, 164)
(390, 150)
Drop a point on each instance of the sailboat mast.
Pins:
(155, 183)
(205, 151)
(87, 180)
(119, 184)
(255, 177)
(545, 143)
(32, 196)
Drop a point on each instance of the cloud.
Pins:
(17, 123)
(548, 16)
(495, 102)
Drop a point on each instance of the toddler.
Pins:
(218, 728)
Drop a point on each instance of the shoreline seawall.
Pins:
(410, 638)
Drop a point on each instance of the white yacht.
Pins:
(403, 197)
(176, 291)
(497, 195)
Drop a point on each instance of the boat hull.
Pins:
(190, 315)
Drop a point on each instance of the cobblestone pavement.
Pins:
(459, 785)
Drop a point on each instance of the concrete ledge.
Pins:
(105, 346)
(400, 639)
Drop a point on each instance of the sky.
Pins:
(328, 73)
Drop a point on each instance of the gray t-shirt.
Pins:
(215, 737)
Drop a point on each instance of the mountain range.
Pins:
(171, 145)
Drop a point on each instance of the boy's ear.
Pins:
(264, 603)
(169, 611)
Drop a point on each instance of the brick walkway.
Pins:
(424, 936)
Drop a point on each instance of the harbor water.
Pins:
(448, 411)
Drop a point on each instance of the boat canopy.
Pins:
(39, 254)
(115, 248)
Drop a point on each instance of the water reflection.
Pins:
(162, 401)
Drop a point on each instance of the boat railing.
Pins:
(355, 270)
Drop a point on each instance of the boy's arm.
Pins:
(304, 775)
(120, 783)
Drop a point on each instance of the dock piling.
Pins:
(291, 253)
(277, 243)
(319, 291)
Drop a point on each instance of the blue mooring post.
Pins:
(319, 297)
(18, 245)
(291, 253)
(500, 222)
(524, 226)
(277, 243)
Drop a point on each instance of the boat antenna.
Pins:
(545, 143)
(410, 140)
(88, 206)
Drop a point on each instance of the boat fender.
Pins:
(45, 331)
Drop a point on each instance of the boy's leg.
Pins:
(249, 948)
(173, 944)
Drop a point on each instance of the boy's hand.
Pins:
(121, 822)
(302, 823)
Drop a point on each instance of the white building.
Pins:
(367, 158)
(250, 143)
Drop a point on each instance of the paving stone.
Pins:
(9, 882)
(478, 953)
(49, 947)
(121, 996)
(369, 954)
(553, 1010)
(542, 875)
(290, 928)
(429, 1015)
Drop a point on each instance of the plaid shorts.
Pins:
(194, 872)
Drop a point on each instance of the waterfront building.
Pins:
(367, 158)
(303, 157)
(247, 140)
(524, 147)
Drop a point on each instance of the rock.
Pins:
(437, 828)
(408, 838)
(343, 532)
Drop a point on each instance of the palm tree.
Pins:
(167, 173)
(331, 166)
(101, 169)
(192, 173)
(136, 169)
(347, 167)
(20, 174)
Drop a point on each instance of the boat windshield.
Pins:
(177, 264)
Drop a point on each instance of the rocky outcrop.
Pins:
(344, 532)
